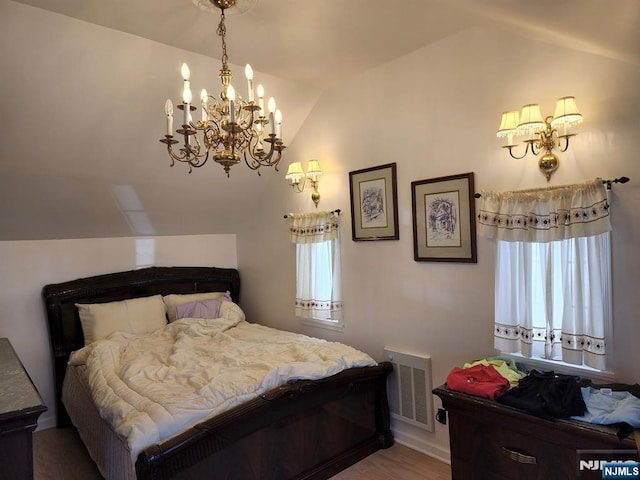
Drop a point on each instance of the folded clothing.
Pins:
(506, 368)
(481, 380)
(605, 407)
(546, 395)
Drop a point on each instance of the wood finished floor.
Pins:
(60, 455)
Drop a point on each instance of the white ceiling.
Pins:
(316, 42)
(105, 84)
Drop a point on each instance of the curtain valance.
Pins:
(544, 215)
(313, 227)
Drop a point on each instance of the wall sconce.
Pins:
(543, 133)
(300, 180)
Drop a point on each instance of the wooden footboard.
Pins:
(305, 430)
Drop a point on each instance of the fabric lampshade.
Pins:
(566, 112)
(295, 173)
(531, 118)
(509, 124)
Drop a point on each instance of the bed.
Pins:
(304, 429)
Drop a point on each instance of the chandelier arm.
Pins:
(172, 155)
(296, 186)
(189, 153)
(258, 157)
(264, 158)
(255, 150)
(274, 163)
(195, 149)
(526, 150)
(200, 163)
(253, 165)
(566, 141)
(182, 158)
(535, 143)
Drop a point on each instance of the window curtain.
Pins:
(318, 280)
(553, 272)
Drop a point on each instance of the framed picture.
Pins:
(444, 228)
(374, 203)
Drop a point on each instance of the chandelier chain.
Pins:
(222, 31)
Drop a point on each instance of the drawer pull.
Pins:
(519, 457)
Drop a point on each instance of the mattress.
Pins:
(151, 387)
(107, 449)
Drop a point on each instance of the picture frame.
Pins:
(374, 203)
(444, 228)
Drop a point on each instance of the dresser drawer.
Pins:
(492, 451)
(490, 441)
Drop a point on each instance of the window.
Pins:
(553, 272)
(318, 283)
(552, 300)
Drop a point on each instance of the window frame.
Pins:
(558, 365)
(335, 324)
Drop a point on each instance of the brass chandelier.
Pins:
(230, 127)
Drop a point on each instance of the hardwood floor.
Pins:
(60, 455)
(397, 463)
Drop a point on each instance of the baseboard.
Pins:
(419, 441)
(46, 421)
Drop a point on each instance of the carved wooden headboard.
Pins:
(65, 331)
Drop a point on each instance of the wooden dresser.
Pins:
(20, 407)
(496, 442)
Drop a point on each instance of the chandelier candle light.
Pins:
(543, 133)
(229, 126)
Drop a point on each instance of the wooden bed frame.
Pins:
(302, 430)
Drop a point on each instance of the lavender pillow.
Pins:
(209, 308)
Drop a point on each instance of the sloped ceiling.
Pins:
(317, 42)
(82, 105)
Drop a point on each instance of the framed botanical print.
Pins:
(374, 203)
(444, 228)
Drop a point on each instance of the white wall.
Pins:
(435, 112)
(84, 111)
(27, 266)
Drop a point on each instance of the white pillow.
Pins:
(136, 315)
(173, 300)
(231, 311)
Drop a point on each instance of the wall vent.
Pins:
(409, 389)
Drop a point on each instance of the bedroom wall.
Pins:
(84, 181)
(84, 111)
(435, 112)
(29, 265)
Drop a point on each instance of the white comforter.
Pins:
(151, 387)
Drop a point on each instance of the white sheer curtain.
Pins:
(318, 280)
(553, 271)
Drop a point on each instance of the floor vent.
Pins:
(409, 389)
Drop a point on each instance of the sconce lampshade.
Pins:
(566, 112)
(313, 169)
(531, 118)
(295, 173)
(509, 124)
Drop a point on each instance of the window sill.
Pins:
(597, 376)
(336, 326)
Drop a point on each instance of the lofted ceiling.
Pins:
(317, 42)
(95, 167)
